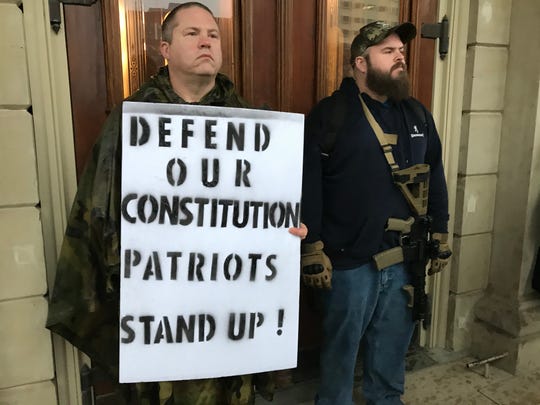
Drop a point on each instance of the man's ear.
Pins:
(361, 64)
(164, 49)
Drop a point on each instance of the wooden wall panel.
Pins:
(304, 80)
(84, 39)
(278, 54)
(113, 57)
(260, 53)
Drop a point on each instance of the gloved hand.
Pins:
(443, 257)
(316, 266)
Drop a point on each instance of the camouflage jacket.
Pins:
(84, 305)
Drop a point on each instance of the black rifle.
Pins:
(418, 246)
(418, 249)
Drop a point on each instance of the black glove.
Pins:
(316, 266)
(443, 257)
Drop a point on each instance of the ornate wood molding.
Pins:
(286, 50)
(247, 48)
(322, 17)
(136, 54)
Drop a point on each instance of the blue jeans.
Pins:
(369, 305)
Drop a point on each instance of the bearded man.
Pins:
(355, 141)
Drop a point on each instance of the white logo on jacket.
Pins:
(416, 133)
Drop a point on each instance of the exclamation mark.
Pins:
(281, 312)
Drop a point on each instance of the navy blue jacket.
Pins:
(348, 197)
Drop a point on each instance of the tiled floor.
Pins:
(441, 378)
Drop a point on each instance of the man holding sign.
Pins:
(85, 302)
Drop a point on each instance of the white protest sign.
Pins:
(209, 271)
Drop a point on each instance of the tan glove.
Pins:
(439, 263)
(316, 266)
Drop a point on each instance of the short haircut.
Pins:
(168, 24)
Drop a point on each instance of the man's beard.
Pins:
(384, 84)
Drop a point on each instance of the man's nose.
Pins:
(204, 42)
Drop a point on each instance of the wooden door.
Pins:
(282, 54)
(277, 52)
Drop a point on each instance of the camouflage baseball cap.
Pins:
(373, 33)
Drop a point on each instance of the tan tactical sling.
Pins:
(413, 183)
